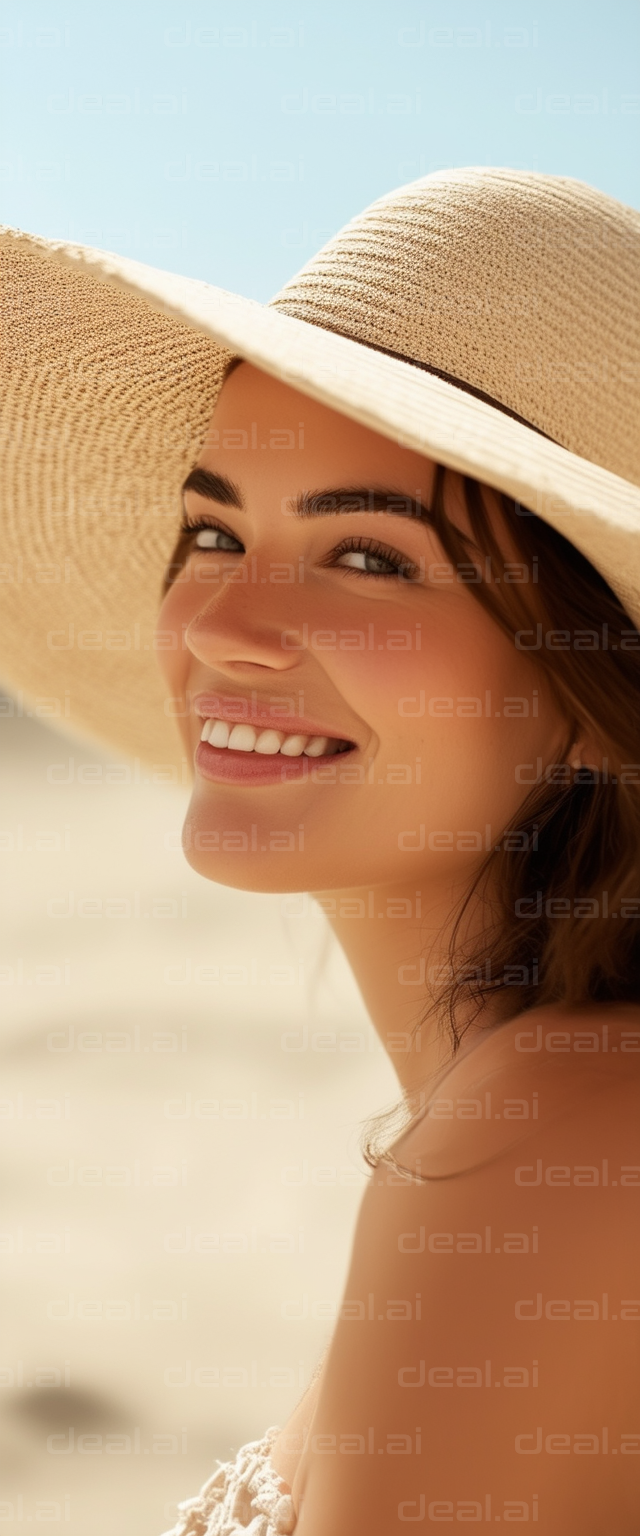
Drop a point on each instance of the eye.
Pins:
(366, 557)
(207, 536)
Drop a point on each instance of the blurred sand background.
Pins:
(186, 1072)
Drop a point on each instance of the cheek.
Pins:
(454, 694)
(174, 614)
(447, 664)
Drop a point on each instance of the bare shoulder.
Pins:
(483, 1363)
(546, 1065)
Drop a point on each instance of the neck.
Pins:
(397, 939)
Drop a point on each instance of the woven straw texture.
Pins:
(524, 288)
(503, 290)
(106, 406)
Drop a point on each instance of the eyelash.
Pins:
(380, 551)
(348, 545)
(189, 531)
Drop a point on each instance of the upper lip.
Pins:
(214, 706)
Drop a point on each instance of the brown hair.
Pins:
(564, 903)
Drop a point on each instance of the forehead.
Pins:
(266, 434)
(254, 412)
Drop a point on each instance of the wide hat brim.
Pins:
(113, 369)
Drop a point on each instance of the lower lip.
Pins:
(224, 766)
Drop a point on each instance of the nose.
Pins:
(239, 629)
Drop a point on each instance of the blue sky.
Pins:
(229, 140)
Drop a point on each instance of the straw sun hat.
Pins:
(487, 318)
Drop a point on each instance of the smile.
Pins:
(240, 754)
(269, 743)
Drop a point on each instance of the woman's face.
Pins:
(311, 613)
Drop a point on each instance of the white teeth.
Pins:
(269, 742)
(219, 733)
(243, 738)
(293, 746)
(316, 746)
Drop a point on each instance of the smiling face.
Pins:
(315, 613)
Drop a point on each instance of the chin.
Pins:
(267, 877)
(249, 858)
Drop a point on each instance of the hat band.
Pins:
(449, 378)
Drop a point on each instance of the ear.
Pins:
(586, 752)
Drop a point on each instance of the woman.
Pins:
(425, 714)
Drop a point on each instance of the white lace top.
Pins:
(245, 1497)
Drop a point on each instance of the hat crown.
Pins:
(521, 286)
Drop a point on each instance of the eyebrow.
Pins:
(325, 503)
(214, 487)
